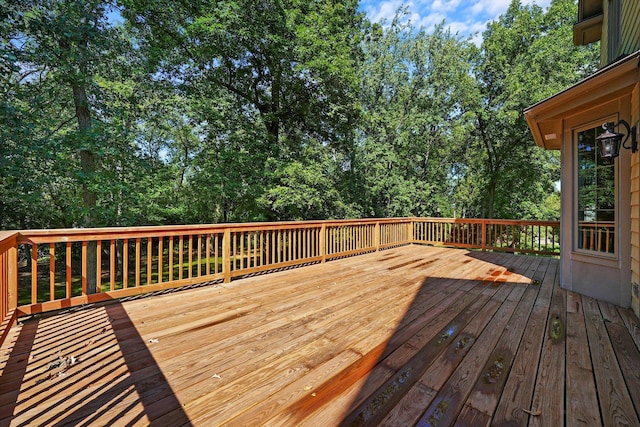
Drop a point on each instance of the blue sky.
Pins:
(466, 17)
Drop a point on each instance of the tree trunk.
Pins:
(88, 167)
(120, 259)
(490, 199)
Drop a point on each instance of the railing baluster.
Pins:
(68, 272)
(149, 259)
(226, 249)
(34, 274)
(181, 257)
(254, 248)
(260, 257)
(279, 246)
(199, 255)
(207, 253)
(170, 272)
(160, 258)
(234, 253)
(112, 265)
(99, 266)
(190, 256)
(241, 236)
(216, 255)
(125, 263)
(83, 262)
(138, 263)
(52, 271)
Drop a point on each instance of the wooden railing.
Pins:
(597, 236)
(44, 270)
(529, 237)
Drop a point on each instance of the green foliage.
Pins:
(413, 86)
(236, 110)
(525, 56)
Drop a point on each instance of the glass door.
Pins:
(596, 201)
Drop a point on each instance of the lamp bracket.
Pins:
(631, 133)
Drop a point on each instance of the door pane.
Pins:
(596, 195)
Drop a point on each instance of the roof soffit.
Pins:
(545, 118)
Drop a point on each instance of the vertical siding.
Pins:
(635, 210)
(630, 34)
(604, 39)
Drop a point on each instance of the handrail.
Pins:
(516, 236)
(597, 236)
(132, 260)
(44, 270)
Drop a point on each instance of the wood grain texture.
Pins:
(615, 403)
(409, 333)
(582, 401)
(548, 397)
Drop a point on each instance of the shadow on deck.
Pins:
(411, 335)
(84, 368)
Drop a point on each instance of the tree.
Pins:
(288, 64)
(413, 92)
(526, 55)
(66, 87)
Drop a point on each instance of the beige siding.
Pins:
(630, 34)
(635, 210)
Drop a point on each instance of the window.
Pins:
(596, 196)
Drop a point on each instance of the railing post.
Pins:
(226, 255)
(376, 233)
(484, 235)
(323, 242)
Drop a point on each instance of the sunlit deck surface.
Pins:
(403, 336)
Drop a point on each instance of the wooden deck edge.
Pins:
(6, 325)
(487, 248)
(240, 272)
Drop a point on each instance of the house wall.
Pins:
(630, 33)
(604, 38)
(602, 277)
(620, 29)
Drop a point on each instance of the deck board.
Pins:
(582, 402)
(408, 335)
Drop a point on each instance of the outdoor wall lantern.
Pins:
(611, 141)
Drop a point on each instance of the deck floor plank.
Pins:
(549, 392)
(625, 350)
(451, 398)
(581, 394)
(518, 390)
(616, 407)
(391, 338)
(488, 389)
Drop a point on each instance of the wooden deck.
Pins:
(411, 335)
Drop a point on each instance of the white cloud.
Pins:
(490, 8)
(428, 21)
(442, 6)
(382, 10)
(463, 17)
(467, 28)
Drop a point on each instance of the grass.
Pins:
(44, 292)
